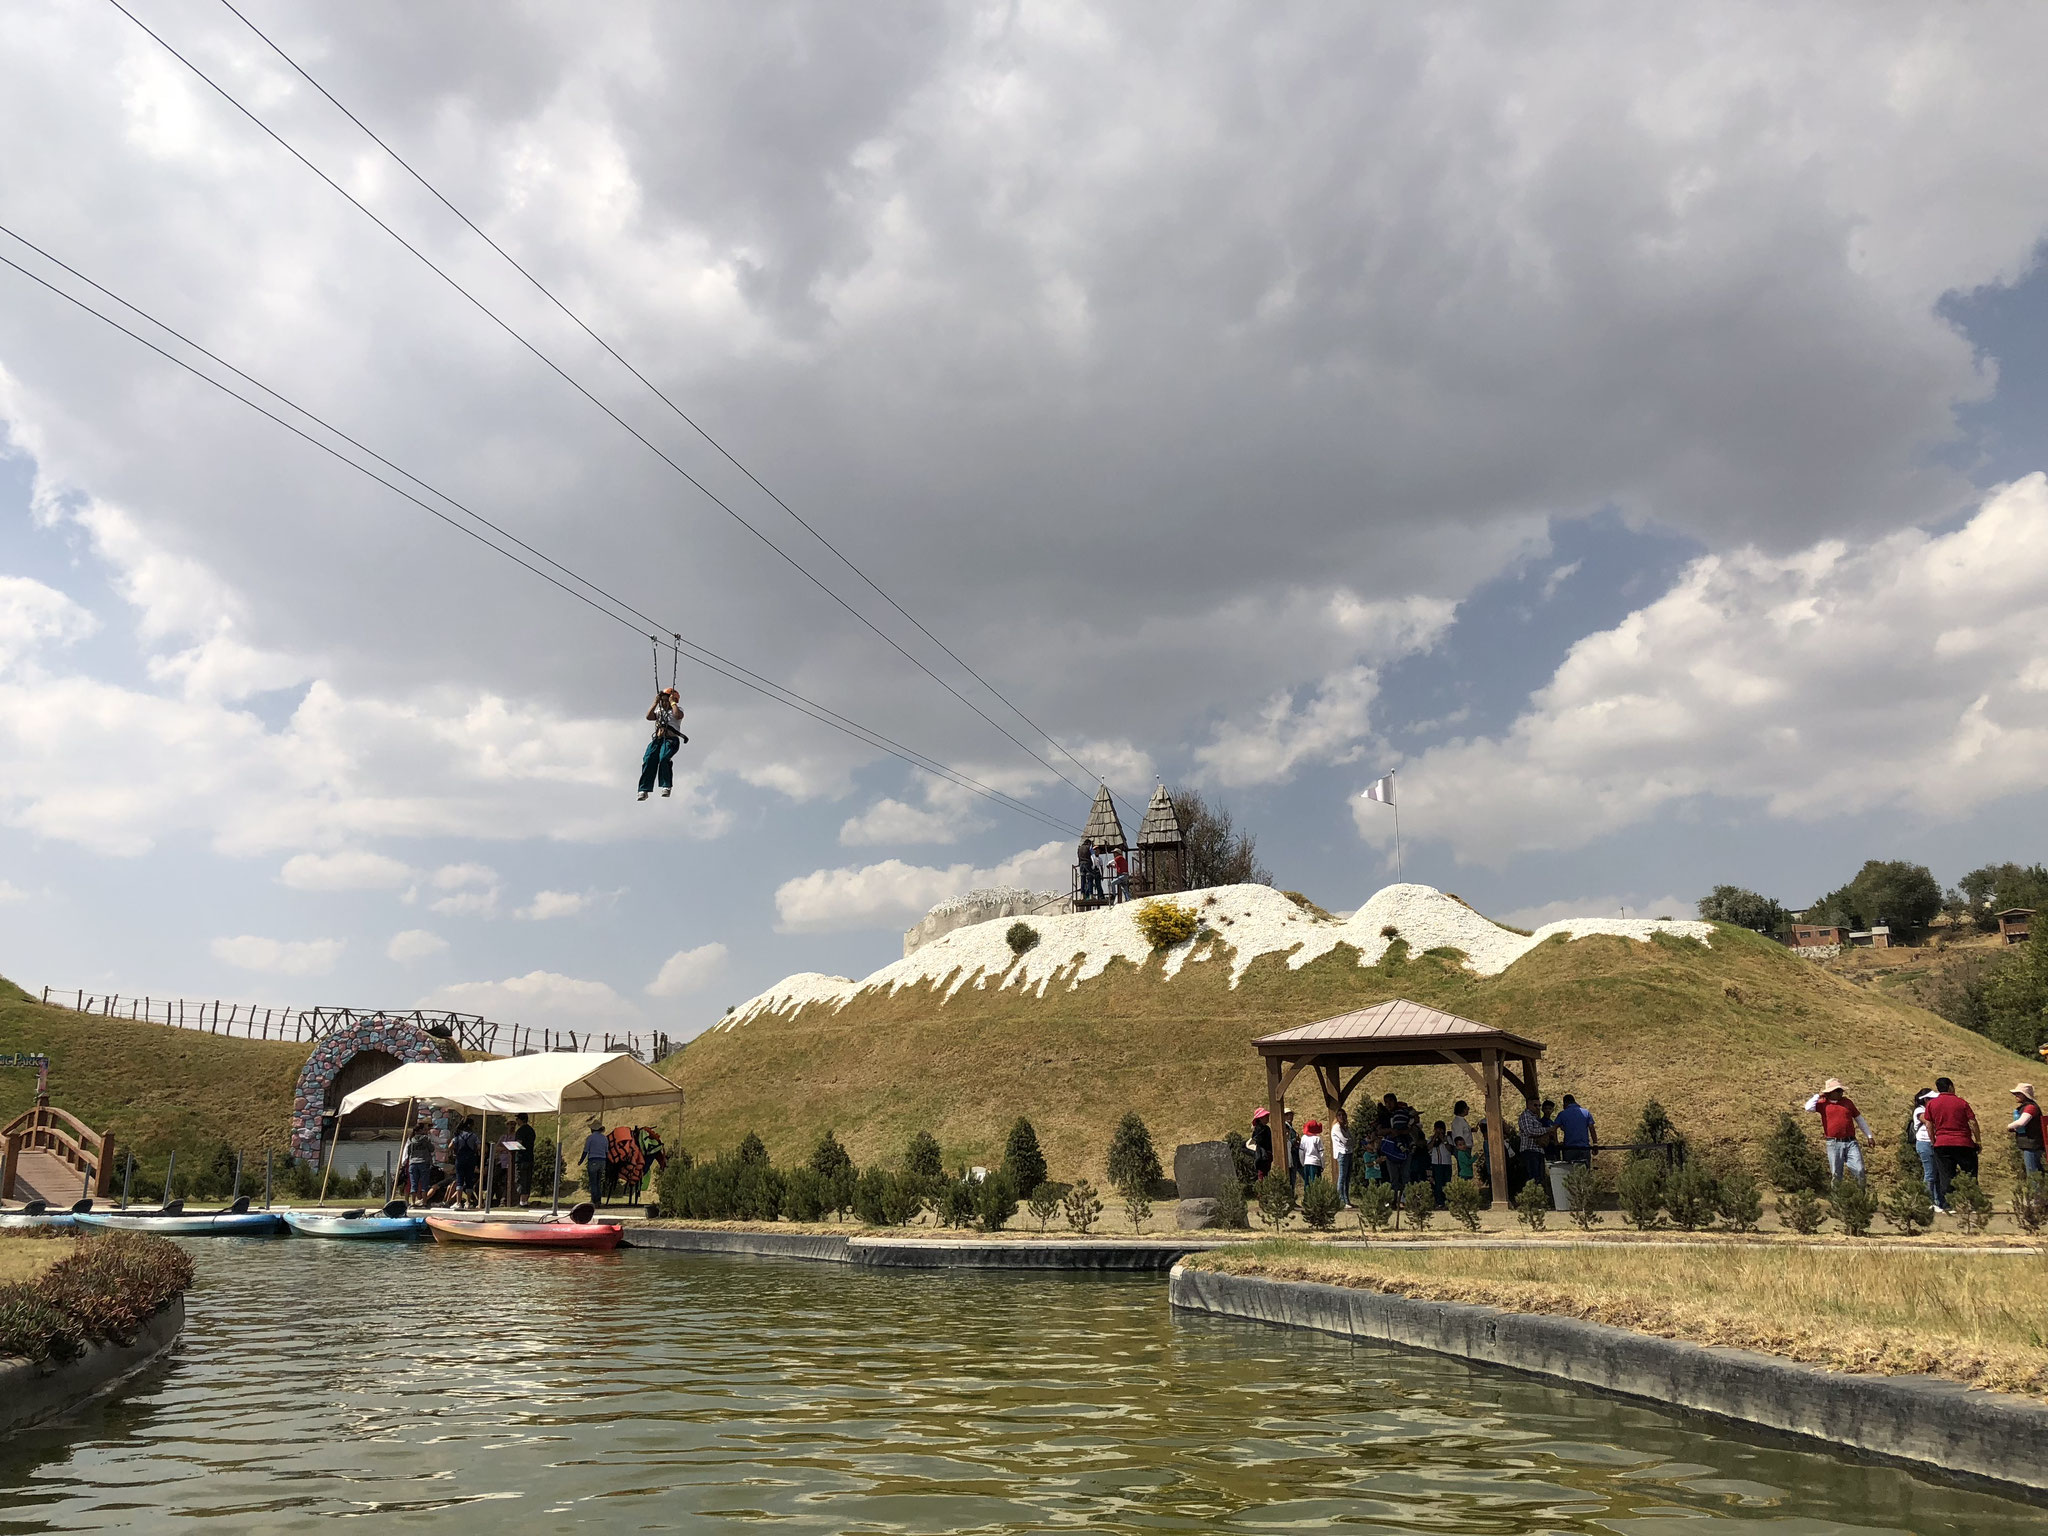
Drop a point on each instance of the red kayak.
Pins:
(526, 1234)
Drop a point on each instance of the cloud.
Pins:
(1903, 672)
(353, 869)
(279, 957)
(473, 888)
(893, 894)
(549, 904)
(32, 614)
(414, 944)
(540, 998)
(12, 892)
(688, 970)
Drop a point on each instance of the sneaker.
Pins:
(643, 794)
(1942, 1210)
(665, 794)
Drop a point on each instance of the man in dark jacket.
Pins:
(1261, 1143)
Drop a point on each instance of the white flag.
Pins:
(1382, 790)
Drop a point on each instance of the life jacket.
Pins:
(623, 1153)
(652, 1151)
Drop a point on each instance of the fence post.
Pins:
(266, 1177)
(127, 1179)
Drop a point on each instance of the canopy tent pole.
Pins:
(555, 1207)
(488, 1168)
(404, 1138)
(328, 1171)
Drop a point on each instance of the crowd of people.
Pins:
(619, 1162)
(1944, 1131)
(1390, 1144)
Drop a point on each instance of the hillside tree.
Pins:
(1023, 1161)
(1993, 888)
(1893, 891)
(1218, 852)
(2016, 997)
(1743, 908)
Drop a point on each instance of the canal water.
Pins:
(472, 1390)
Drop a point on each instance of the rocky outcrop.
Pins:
(983, 907)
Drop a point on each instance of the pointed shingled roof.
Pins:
(1103, 828)
(1161, 826)
(1391, 1022)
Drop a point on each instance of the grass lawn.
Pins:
(1981, 1320)
(23, 1258)
(151, 1086)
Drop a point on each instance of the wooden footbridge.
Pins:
(49, 1154)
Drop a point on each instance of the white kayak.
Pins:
(28, 1220)
(201, 1224)
(360, 1225)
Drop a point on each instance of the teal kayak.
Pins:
(205, 1224)
(23, 1221)
(360, 1226)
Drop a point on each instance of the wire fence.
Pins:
(254, 1021)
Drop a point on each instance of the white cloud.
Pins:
(473, 890)
(893, 894)
(32, 615)
(540, 998)
(688, 970)
(414, 944)
(353, 869)
(1330, 728)
(279, 957)
(948, 814)
(1904, 672)
(12, 892)
(547, 904)
(458, 877)
(468, 904)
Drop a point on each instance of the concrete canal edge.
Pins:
(1100, 1255)
(31, 1393)
(1991, 1438)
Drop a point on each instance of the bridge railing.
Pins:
(64, 1136)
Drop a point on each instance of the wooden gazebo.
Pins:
(1162, 848)
(1343, 1051)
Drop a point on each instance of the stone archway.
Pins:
(331, 1071)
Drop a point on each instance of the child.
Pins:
(1440, 1162)
(1461, 1151)
(1311, 1152)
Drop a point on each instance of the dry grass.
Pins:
(1726, 1038)
(24, 1257)
(1979, 1320)
(152, 1086)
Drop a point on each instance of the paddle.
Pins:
(579, 1215)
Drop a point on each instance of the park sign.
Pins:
(26, 1059)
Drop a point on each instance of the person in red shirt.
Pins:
(1840, 1121)
(1954, 1125)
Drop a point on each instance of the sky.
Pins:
(1622, 424)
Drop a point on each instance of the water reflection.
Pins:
(471, 1390)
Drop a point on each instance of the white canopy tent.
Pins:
(551, 1082)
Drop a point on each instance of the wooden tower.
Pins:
(1162, 847)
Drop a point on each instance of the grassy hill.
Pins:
(152, 1087)
(1726, 1036)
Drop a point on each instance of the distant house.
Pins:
(1807, 936)
(1879, 937)
(2015, 923)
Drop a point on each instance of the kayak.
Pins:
(203, 1224)
(369, 1225)
(526, 1234)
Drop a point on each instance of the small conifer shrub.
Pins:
(1970, 1203)
(1022, 1160)
(1741, 1202)
(1319, 1205)
(1693, 1197)
(1908, 1208)
(1231, 1213)
(1802, 1211)
(1132, 1158)
(1374, 1203)
(1853, 1206)
(1464, 1201)
(1582, 1188)
(1532, 1206)
(1083, 1207)
(1276, 1200)
(1044, 1204)
(1791, 1161)
(922, 1157)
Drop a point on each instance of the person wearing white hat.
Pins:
(1840, 1122)
(2026, 1127)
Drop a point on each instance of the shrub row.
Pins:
(101, 1293)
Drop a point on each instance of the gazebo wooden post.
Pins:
(1276, 1116)
(1496, 1133)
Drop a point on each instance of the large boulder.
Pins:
(1202, 1170)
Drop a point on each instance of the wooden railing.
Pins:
(252, 1021)
(44, 1129)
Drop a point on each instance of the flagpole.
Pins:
(1398, 875)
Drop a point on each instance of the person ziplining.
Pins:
(657, 763)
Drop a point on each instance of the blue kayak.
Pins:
(23, 1221)
(371, 1226)
(203, 1224)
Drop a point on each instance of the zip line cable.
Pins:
(568, 379)
(611, 607)
(654, 389)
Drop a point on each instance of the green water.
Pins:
(471, 1390)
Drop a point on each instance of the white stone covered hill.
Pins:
(1241, 923)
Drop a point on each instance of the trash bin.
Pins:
(1560, 1198)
